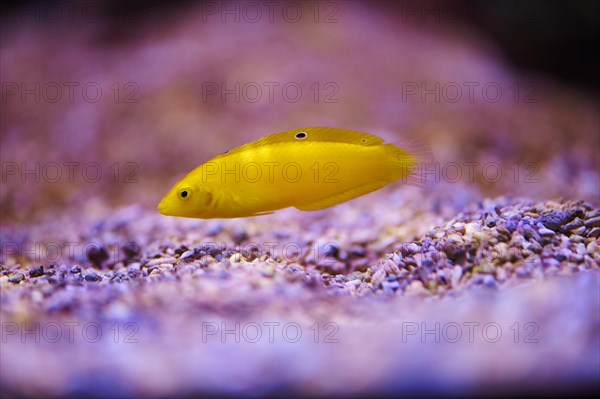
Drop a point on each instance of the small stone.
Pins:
(455, 239)
(592, 213)
(180, 250)
(390, 287)
(389, 266)
(594, 233)
(523, 271)
(356, 275)
(487, 267)
(503, 251)
(416, 288)
(459, 227)
(423, 273)
(16, 278)
(503, 233)
(378, 277)
(131, 250)
(475, 232)
(550, 263)
(91, 276)
(331, 249)
(187, 254)
(579, 248)
(454, 252)
(580, 231)
(530, 233)
(360, 264)
(332, 266)
(413, 248)
(457, 273)
(544, 232)
(592, 247)
(134, 273)
(396, 257)
(562, 255)
(576, 238)
(553, 220)
(500, 274)
(575, 213)
(511, 225)
(37, 272)
(508, 267)
(159, 261)
(593, 222)
(489, 281)
(353, 283)
(534, 247)
(239, 237)
(572, 225)
(208, 249)
(97, 254)
(357, 251)
(576, 258)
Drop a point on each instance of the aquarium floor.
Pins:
(410, 298)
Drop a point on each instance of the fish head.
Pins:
(186, 199)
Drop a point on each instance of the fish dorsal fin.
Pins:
(341, 197)
(312, 134)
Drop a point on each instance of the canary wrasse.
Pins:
(309, 168)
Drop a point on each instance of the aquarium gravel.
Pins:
(484, 279)
(217, 306)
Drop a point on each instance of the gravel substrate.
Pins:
(178, 290)
(454, 288)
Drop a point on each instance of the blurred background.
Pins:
(113, 101)
(106, 104)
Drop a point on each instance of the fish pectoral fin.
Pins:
(341, 197)
(261, 213)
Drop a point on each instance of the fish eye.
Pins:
(301, 135)
(184, 193)
(364, 140)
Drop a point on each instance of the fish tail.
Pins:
(408, 162)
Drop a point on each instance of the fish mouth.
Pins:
(162, 207)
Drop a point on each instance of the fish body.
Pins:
(309, 168)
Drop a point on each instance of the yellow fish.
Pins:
(310, 168)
